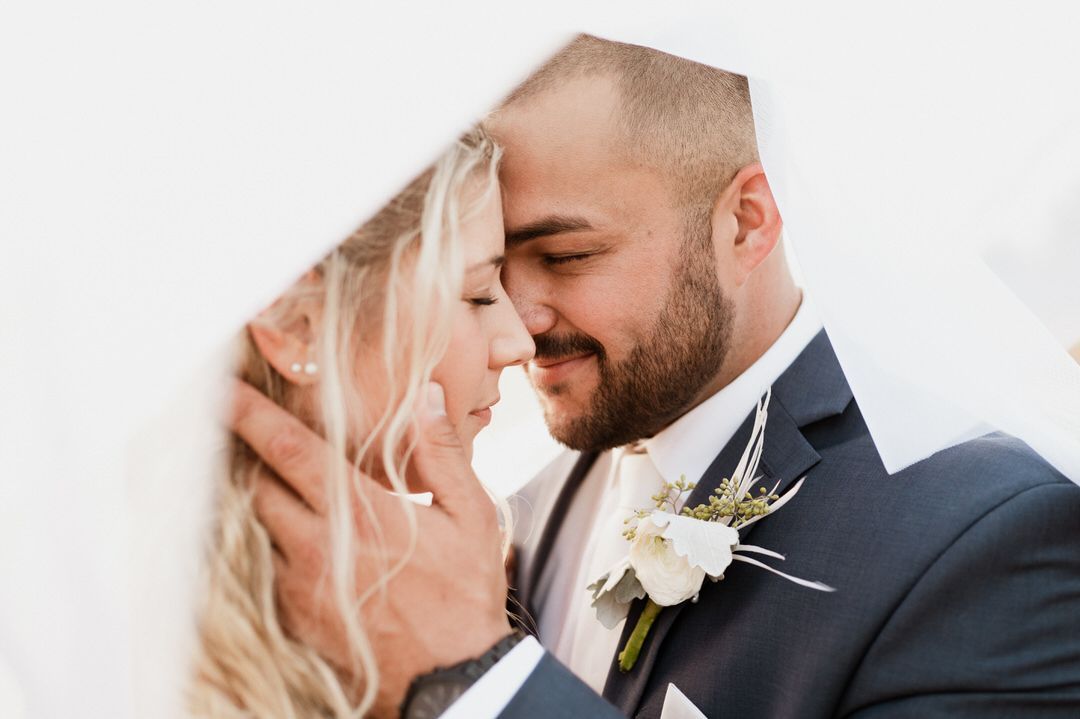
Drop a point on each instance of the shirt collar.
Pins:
(690, 444)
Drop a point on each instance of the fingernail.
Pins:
(436, 399)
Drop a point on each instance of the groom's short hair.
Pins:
(691, 121)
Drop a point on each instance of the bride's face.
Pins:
(487, 334)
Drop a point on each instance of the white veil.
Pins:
(956, 127)
(165, 174)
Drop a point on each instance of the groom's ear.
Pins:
(748, 200)
(285, 333)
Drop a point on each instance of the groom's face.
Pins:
(618, 289)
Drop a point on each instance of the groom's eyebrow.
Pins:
(497, 261)
(545, 227)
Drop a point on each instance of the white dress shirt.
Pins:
(584, 644)
(686, 447)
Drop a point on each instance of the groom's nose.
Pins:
(538, 318)
(529, 300)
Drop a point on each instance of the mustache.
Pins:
(553, 347)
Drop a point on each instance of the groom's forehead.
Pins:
(562, 152)
(576, 119)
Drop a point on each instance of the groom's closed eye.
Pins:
(570, 255)
(558, 242)
(565, 259)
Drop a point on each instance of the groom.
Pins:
(643, 254)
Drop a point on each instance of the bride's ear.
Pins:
(286, 333)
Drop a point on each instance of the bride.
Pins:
(414, 296)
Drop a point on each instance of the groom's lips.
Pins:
(552, 370)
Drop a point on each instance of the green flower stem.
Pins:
(628, 656)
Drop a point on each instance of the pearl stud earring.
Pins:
(295, 368)
(311, 368)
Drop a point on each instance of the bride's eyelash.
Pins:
(482, 301)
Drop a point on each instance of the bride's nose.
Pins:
(512, 344)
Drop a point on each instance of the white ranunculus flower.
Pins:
(667, 578)
(708, 545)
(671, 555)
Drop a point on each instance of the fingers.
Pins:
(293, 528)
(300, 457)
(285, 600)
(297, 454)
(441, 465)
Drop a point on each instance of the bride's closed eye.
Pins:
(484, 301)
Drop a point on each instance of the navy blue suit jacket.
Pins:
(958, 582)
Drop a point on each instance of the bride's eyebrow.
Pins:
(497, 261)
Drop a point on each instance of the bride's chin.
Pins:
(466, 432)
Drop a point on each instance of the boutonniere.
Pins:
(674, 548)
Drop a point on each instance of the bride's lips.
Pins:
(554, 370)
(484, 414)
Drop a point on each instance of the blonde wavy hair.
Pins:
(389, 287)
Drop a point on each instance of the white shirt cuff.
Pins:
(492, 692)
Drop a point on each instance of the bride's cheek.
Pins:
(446, 370)
(462, 369)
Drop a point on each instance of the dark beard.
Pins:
(664, 373)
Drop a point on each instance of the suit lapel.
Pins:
(812, 389)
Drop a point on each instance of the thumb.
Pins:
(440, 464)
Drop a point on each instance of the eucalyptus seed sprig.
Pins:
(670, 495)
(726, 504)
